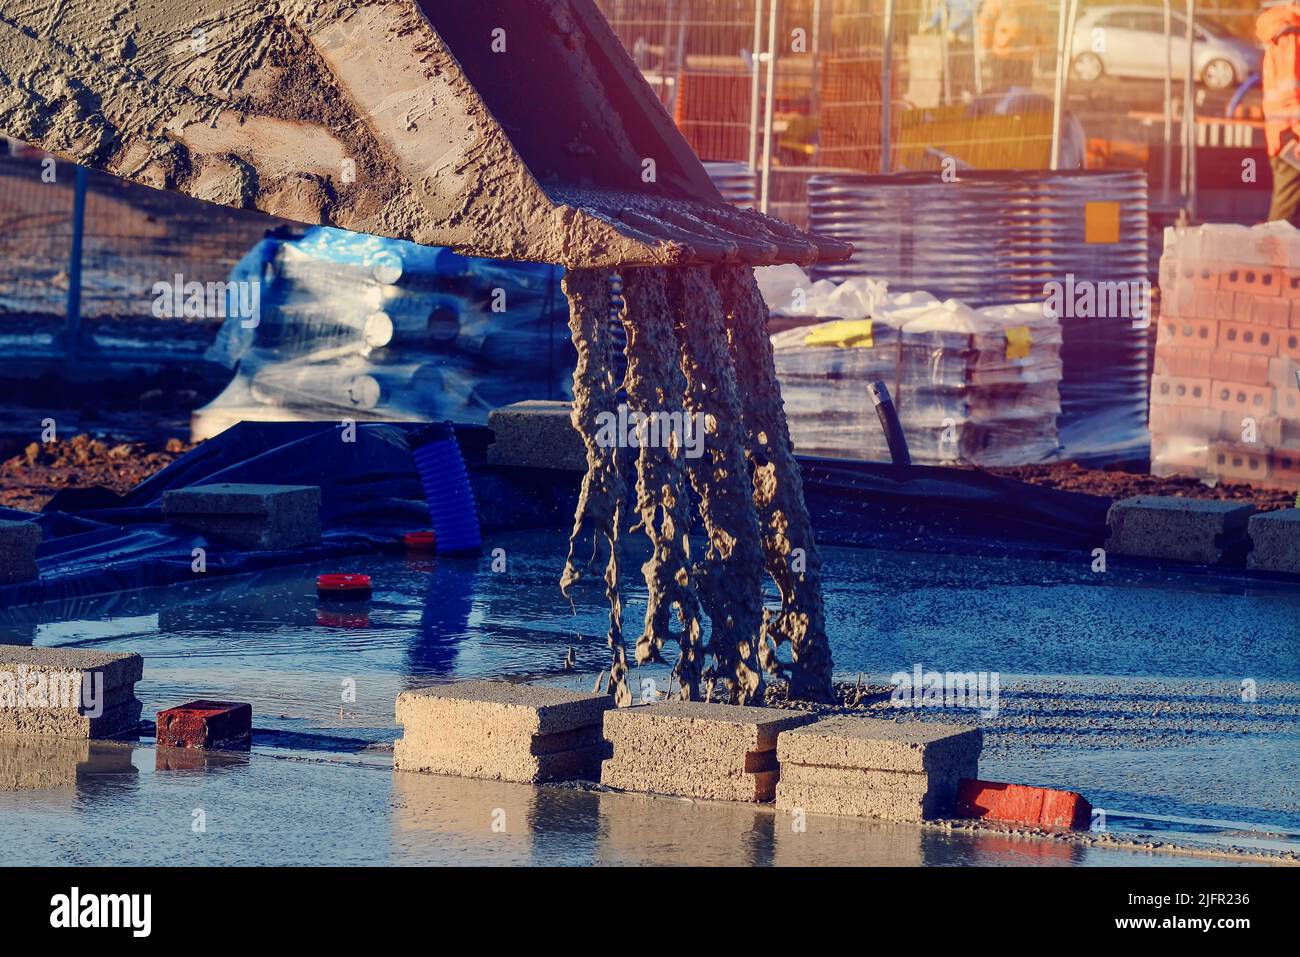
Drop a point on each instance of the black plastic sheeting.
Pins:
(96, 541)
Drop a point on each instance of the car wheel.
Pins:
(1088, 67)
(1219, 75)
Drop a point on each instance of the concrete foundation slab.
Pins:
(18, 542)
(536, 434)
(1275, 541)
(944, 750)
(1178, 529)
(252, 517)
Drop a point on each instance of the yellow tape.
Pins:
(1018, 342)
(845, 334)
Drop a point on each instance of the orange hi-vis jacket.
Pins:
(1279, 30)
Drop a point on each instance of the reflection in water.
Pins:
(81, 767)
(444, 620)
(197, 760)
(436, 816)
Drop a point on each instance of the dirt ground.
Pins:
(1107, 483)
(31, 477)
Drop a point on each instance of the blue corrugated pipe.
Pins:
(452, 511)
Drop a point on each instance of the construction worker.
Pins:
(1278, 30)
(1010, 33)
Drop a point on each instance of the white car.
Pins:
(1129, 41)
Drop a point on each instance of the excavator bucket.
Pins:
(512, 129)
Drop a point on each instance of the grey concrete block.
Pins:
(536, 434)
(724, 730)
(702, 781)
(694, 749)
(114, 721)
(118, 667)
(1179, 529)
(43, 692)
(18, 542)
(492, 705)
(500, 731)
(949, 751)
(1275, 541)
(520, 767)
(858, 802)
(252, 517)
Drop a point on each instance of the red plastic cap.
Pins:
(343, 582)
(420, 541)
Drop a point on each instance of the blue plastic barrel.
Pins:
(452, 512)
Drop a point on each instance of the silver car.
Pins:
(1128, 41)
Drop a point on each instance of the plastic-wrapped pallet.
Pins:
(360, 327)
(979, 387)
(1225, 401)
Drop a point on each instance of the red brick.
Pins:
(1022, 804)
(1187, 363)
(1256, 280)
(1205, 276)
(1269, 311)
(1240, 367)
(1242, 463)
(1291, 284)
(1175, 390)
(214, 725)
(1225, 306)
(1245, 337)
(1289, 343)
(1241, 398)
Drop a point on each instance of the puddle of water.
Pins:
(1126, 686)
(132, 805)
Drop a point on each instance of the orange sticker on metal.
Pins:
(1101, 222)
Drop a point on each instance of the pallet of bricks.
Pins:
(1225, 401)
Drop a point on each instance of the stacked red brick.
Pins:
(1225, 403)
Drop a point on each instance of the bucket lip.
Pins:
(343, 581)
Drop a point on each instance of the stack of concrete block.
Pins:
(1178, 529)
(18, 541)
(536, 434)
(1224, 396)
(500, 731)
(68, 693)
(1275, 541)
(251, 517)
(864, 767)
(694, 749)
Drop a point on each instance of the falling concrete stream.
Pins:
(697, 348)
